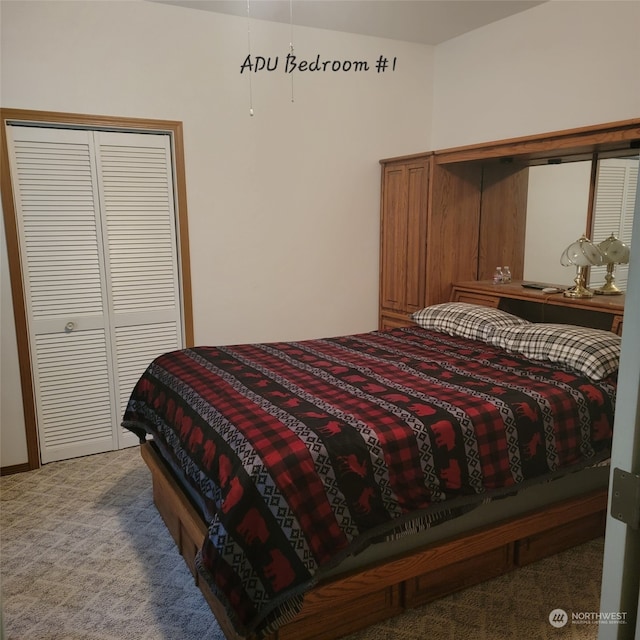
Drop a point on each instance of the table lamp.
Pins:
(580, 254)
(613, 252)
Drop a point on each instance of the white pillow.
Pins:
(466, 320)
(593, 352)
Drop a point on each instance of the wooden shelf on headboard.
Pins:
(600, 312)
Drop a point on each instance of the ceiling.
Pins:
(423, 21)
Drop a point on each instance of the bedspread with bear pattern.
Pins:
(305, 452)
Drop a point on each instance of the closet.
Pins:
(96, 226)
(403, 233)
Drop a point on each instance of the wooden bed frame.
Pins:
(352, 602)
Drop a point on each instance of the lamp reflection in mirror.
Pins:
(580, 254)
(613, 252)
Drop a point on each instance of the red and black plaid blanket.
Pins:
(304, 452)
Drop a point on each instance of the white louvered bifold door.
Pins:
(97, 231)
(136, 196)
(613, 210)
(56, 195)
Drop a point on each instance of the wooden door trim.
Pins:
(44, 118)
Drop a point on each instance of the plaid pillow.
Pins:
(593, 352)
(466, 320)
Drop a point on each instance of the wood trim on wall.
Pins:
(582, 141)
(593, 181)
(114, 123)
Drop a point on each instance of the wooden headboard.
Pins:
(599, 312)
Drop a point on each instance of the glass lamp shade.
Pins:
(613, 252)
(581, 254)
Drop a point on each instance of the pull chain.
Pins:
(249, 48)
(291, 40)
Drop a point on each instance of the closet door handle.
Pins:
(69, 327)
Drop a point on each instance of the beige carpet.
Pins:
(85, 556)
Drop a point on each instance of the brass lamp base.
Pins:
(609, 288)
(579, 290)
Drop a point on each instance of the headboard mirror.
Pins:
(594, 196)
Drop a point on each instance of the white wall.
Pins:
(557, 206)
(559, 65)
(13, 443)
(283, 206)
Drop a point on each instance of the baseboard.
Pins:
(15, 468)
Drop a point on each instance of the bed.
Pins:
(317, 487)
